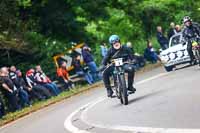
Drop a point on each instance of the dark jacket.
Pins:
(77, 65)
(161, 39)
(124, 52)
(87, 56)
(171, 32)
(150, 54)
(13, 76)
(6, 80)
(2, 110)
(191, 32)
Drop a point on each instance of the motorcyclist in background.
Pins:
(118, 51)
(191, 31)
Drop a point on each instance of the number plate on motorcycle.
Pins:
(118, 62)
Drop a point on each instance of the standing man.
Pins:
(104, 49)
(80, 71)
(89, 60)
(161, 38)
(171, 31)
(178, 29)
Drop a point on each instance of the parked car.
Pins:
(176, 53)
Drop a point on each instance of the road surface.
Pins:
(164, 103)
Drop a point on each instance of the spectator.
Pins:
(89, 60)
(103, 49)
(23, 95)
(2, 110)
(63, 76)
(150, 53)
(178, 29)
(33, 94)
(34, 86)
(13, 76)
(43, 80)
(136, 65)
(9, 90)
(80, 70)
(129, 45)
(161, 38)
(172, 30)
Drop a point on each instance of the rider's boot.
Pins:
(131, 89)
(109, 92)
(194, 62)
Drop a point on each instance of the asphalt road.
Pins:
(164, 102)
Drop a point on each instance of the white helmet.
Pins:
(186, 19)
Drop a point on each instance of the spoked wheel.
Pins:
(116, 87)
(123, 90)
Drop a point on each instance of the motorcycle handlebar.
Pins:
(112, 63)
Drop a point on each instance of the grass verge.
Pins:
(64, 95)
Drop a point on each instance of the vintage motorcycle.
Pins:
(196, 50)
(119, 79)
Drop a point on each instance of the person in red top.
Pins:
(63, 76)
(43, 80)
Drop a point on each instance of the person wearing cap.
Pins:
(120, 51)
(191, 32)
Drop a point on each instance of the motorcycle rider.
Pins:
(190, 31)
(116, 51)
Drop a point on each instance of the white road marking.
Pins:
(69, 126)
(130, 128)
(151, 78)
(68, 122)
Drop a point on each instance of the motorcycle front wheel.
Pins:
(123, 90)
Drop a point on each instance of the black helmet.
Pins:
(186, 19)
(113, 39)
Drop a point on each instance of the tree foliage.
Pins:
(35, 24)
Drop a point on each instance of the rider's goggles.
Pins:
(114, 42)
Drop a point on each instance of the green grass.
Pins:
(41, 104)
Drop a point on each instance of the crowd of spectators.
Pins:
(162, 39)
(21, 90)
(150, 54)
